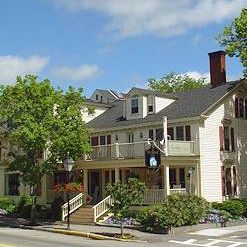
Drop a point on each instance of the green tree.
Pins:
(234, 39)
(42, 126)
(125, 195)
(173, 82)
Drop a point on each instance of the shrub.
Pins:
(177, 210)
(7, 204)
(187, 206)
(234, 207)
(244, 203)
(24, 200)
(156, 218)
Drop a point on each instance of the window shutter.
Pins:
(187, 133)
(221, 133)
(236, 107)
(234, 178)
(245, 108)
(232, 140)
(223, 181)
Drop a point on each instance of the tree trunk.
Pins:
(121, 227)
(33, 212)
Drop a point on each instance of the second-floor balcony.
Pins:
(137, 150)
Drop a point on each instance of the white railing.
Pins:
(103, 151)
(75, 203)
(102, 207)
(178, 191)
(137, 149)
(153, 196)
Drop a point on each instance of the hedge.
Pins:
(177, 210)
(7, 204)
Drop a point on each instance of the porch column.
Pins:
(198, 190)
(2, 185)
(103, 182)
(123, 176)
(110, 176)
(166, 180)
(117, 177)
(85, 181)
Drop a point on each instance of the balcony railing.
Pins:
(137, 150)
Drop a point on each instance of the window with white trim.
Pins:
(134, 105)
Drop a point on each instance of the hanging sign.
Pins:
(152, 157)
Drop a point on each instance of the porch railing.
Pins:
(102, 207)
(178, 191)
(75, 203)
(137, 149)
(153, 196)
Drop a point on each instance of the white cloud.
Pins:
(12, 66)
(161, 17)
(197, 75)
(83, 72)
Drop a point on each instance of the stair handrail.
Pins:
(102, 207)
(75, 203)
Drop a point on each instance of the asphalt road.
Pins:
(14, 237)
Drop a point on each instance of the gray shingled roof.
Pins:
(188, 104)
(143, 91)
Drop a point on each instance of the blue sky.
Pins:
(111, 44)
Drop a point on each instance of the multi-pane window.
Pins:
(134, 105)
(102, 140)
(187, 133)
(227, 141)
(12, 184)
(170, 133)
(159, 134)
(150, 109)
(172, 177)
(180, 133)
(151, 134)
(182, 177)
(150, 104)
(94, 141)
(240, 108)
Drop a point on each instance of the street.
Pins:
(14, 237)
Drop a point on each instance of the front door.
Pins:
(94, 188)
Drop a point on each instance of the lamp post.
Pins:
(68, 166)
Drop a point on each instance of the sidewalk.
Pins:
(86, 230)
(217, 232)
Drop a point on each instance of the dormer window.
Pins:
(150, 104)
(150, 109)
(134, 105)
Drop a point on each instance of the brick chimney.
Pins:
(217, 68)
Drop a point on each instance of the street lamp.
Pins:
(68, 166)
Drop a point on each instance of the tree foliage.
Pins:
(173, 82)
(234, 39)
(125, 195)
(38, 119)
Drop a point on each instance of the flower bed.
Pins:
(128, 221)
